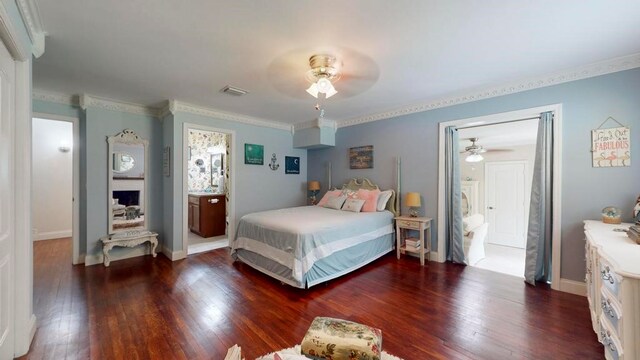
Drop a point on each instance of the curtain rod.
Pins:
(500, 123)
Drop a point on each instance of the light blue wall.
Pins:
(585, 190)
(95, 126)
(256, 187)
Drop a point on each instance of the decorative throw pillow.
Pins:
(370, 198)
(325, 198)
(383, 198)
(335, 202)
(350, 194)
(338, 339)
(354, 205)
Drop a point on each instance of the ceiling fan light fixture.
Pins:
(323, 72)
(473, 158)
(313, 90)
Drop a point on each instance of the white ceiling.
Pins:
(396, 53)
(501, 136)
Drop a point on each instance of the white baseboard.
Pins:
(573, 287)
(99, 258)
(80, 259)
(173, 255)
(52, 235)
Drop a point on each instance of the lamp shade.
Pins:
(412, 199)
(314, 185)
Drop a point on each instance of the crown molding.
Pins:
(316, 123)
(58, 98)
(579, 73)
(31, 17)
(115, 105)
(174, 106)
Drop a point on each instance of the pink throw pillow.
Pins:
(370, 198)
(329, 194)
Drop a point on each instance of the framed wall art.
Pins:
(291, 165)
(253, 154)
(361, 157)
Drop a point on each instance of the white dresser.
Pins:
(613, 288)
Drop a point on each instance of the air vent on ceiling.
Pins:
(231, 90)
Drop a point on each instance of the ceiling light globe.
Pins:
(324, 85)
(474, 158)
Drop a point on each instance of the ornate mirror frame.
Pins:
(127, 137)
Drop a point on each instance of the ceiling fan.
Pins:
(474, 151)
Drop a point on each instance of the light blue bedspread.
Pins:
(299, 237)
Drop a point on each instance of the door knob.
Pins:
(490, 207)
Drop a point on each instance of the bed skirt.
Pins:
(330, 267)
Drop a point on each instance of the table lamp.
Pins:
(412, 200)
(314, 187)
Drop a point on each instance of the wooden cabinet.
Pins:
(207, 215)
(613, 288)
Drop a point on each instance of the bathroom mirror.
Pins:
(127, 182)
(217, 172)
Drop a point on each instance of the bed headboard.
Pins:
(366, 184)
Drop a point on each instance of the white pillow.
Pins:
(335, 202)
(354, 205)
(383, 198)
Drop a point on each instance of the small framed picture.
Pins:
(361, 157)
(253, 154)
(291, 165)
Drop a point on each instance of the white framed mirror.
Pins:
(127, 182)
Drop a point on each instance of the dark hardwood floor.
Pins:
(145, 308)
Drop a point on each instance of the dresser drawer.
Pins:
(612, 347)
(611, 311)
(407, 224)
(610, 279)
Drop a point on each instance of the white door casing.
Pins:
(505, 202)
(7, 203)
(185, 186)
(77, 257)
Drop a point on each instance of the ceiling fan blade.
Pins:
(499, 150)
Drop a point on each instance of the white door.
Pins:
(7, 208)
(505, 203)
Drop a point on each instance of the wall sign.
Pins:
(166, 161)
(291, 165)
(253, 154)
(611, 147)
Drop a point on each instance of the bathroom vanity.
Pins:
(207, 215)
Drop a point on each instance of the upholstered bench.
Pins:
(337, 339)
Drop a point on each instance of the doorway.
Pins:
(478, 168)
(55, 169)
(208, 182)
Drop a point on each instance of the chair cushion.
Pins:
(337, 339)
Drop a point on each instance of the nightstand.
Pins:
(420, 224)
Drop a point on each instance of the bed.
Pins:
(308, 245)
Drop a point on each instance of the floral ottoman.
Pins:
(337, 339)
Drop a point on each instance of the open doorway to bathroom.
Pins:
(55, 168)
(208, 169)
(496, 166)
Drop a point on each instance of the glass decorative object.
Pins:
(611, 215)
